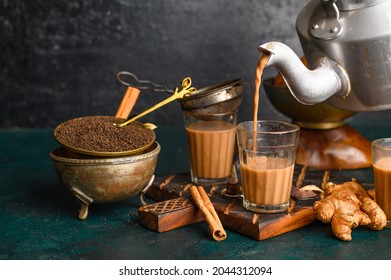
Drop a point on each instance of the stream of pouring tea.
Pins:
(257, 85)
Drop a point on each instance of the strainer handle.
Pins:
(141, 84)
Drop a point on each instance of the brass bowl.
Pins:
(318, 116)
(99, 180)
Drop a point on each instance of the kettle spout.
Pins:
(307, 86)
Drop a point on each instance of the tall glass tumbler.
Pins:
(381, 158)
(267, 154)
(211, 145)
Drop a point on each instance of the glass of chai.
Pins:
(267, 154)
(381, 158)
(211, 144)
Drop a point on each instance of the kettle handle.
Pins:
(328, 27)
(330, 8)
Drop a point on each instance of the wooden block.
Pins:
(170, 214)
(262, 226)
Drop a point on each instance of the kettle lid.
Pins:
(350, 5)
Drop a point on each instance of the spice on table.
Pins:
(347, 206)
(203, 202)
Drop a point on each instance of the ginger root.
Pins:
(347, 206)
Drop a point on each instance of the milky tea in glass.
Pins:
(211, 142)
(267, 154)
(381, 158)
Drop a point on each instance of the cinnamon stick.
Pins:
(209, 205)
(128, 102)
(201, 199)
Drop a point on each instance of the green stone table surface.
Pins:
(38, 216)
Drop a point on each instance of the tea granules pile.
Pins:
(99, 134)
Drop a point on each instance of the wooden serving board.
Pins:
(175, 208)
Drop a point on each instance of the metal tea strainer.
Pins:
(218, 98)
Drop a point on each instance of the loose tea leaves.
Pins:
(99, 134)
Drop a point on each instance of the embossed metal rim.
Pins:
(106, 161)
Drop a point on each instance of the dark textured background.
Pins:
(59, 58)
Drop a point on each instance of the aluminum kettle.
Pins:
(347, 44)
